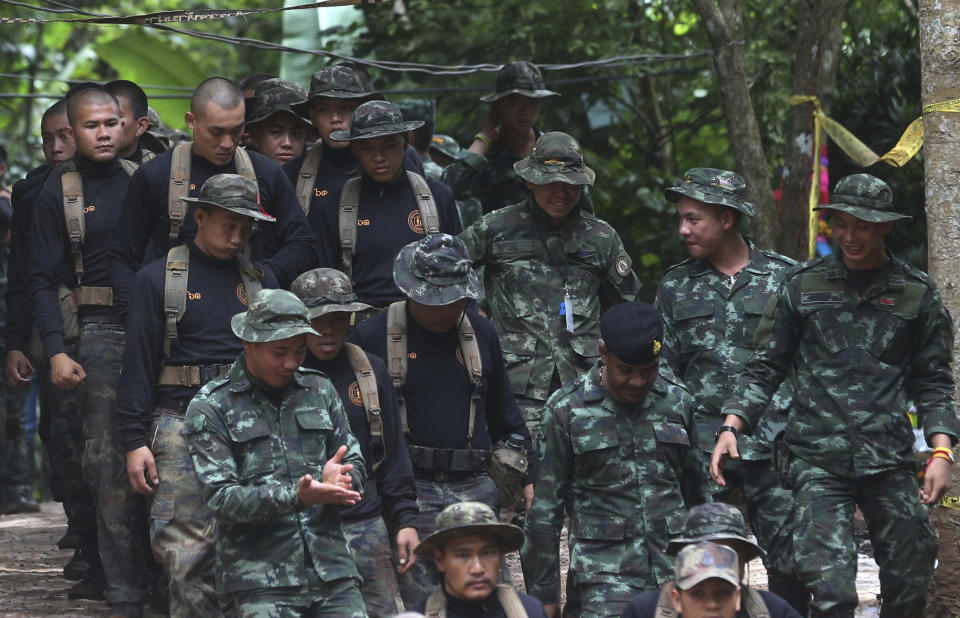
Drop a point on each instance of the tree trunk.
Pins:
(940, 79)
(816, 55)
(724, 22)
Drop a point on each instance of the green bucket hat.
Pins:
(556, 157)
(703, 561)
(335, 82)
(326, 290)
(375, 119)
(713, 186)
(273, 96)
(519, 77)
(446, 145)
(271, 316)
(418, 109)
(235, 193)
(715, 522)
(466, 519)
(865, 197)
(436, 271)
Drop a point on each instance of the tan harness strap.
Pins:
(370, 395)
(73, 215)
(425, 203)
(347, 223)
(178, 188)
(307, 180)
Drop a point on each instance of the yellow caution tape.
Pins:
(951, 502)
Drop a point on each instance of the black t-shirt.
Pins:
(490, 608)
(644, 605)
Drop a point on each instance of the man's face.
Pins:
(57, 147)
(221, 233)
(470, 566)
(280, 136)
(133, 128)
(275, 362)
(860, 242)
(518, 112)
(333, 329)
(628, 384)
(441, 319)
(216, 132)
(381, 158)
(556, 199)
(702, 226)
(97, 131)
(711, 598)
(330, 115)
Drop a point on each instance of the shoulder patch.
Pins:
(623, 266)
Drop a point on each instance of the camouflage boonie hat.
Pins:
(436, 271)
(704, 561)
(519, 77)
(466, 519)
(235, 193)
(713, 186)
(335, 82)
(375, 119)
(418, 109)
(716, 522)
(556, 157)
(154, 117)
(445, 144)
(271, 316)
(273, 96)
(865, 197)
(326, 290)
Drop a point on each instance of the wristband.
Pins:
(483, 138)
(724, 428)
(943, 454)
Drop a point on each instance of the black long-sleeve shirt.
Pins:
(52, 264)
(204, 336)
(396, 490)
(438, 386)
(287, 248)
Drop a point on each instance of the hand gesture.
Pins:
(19, 369)
(725, 448)
(66, 373)
(142, 471)
(407, 541)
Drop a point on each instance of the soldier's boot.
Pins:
(77, 567)
(790, 590)
(126, 610)
(92, 586)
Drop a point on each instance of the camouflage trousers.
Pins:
(531, 410)
(370, 546)
(432, 497)
(318, 599)
(904, 543)
(121, 512)
(16, 471)
(598, 599)
(182, 529)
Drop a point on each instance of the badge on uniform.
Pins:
(623, 267)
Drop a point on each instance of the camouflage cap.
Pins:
(696, 563)
(154, 117)
(326, 290)
(713, 186)
(467, 519)
(716, 522)
(273, 96)
(556, 157)
(335, 82)
(418, 109)
(445, 144)
(375, 119)
(865, 197)
(271, 316)
(235, 193)
(436, 271)
(519, 77)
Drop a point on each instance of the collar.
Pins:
(459, 607)
(593, 390)
(242, 380)
(892, 271)
(702, 266)
(205, 258)
(96, 169)
(541, 219)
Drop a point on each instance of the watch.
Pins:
(724, 428)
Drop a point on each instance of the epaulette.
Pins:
(803, 267)
(214, 384)
(677, 266)
(916, 273)
(309, 371)
(779, 257)
(564, 390)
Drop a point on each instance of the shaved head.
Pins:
(91, 97)
(217, 90)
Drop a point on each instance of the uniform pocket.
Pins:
(695, 324)
(315, 427)
(596, 453)
(518, 356)
(254, 448)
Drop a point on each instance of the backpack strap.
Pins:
(129, 167)
(370, 395)
(178, 188)
(436, 605)
(471, 358)
(425, 203)
(244, 165)
(347, 223)
(72, 184)
(665, 603)
(250, 275)
(308, 176)
(146, 155)
(397, 355)
(510, 601)
(175, 293)
(753, 603)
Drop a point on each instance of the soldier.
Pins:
(486, 170)
(384, 209)
(721, 524)
(619, 456)
(275, 130)
(74, 222)
(258, 436)
(860, 332)
(178, 339)
(154, 217)
(711, 304)
(370, 402)
(134, 114)
(468, 546)
(455, 402)
(425, 111)
(551, 270)
(443, 150)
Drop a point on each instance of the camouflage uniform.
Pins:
(855, 358)
(275, 555)
(709, 324)
(530, 265)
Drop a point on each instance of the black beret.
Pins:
(633, 332)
